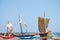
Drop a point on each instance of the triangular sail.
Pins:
(42, 24)
(9, 25)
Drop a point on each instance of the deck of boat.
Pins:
(24, 34)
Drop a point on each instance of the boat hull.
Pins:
(8, 36)
(45, 35)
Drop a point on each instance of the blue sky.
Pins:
(29, 10)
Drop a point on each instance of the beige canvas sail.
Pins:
(42, 24)
(9, 26)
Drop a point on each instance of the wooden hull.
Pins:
(25, 34)
(9, 36)
(45, 34)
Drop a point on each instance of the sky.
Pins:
(29, 10)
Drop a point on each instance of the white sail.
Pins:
(22, 22)
(43, 24)
(9, 25)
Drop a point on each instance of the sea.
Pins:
(37, 37)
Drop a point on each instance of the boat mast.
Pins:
(7, 27)
(20, 24)
(44, 21)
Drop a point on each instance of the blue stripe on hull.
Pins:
(24, 37)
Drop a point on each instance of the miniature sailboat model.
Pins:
(9, 26)
(43, 25)
(22, 34)
(8, 35)
(22, 22)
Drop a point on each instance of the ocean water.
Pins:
(58, 34)
(55, 35)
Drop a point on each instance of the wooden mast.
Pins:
(7, 28)
(44, 22)
(20, 24)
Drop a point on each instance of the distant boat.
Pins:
(26, 34)
(42, 26)
(8, 34)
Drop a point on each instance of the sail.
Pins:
(9, 25)
(22, 22)
(42, 24)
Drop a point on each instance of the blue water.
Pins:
(58, 35)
